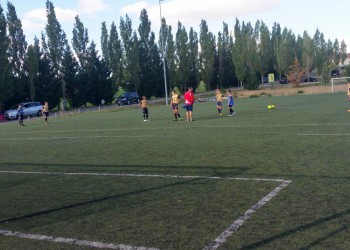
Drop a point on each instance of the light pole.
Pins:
(163, 53)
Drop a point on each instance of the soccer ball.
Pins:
(269, 107)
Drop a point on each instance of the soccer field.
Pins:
(265, 178)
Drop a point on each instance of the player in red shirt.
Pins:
(189, 101)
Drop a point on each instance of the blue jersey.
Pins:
(230, 101)
(20, 111)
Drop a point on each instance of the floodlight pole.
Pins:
(163, 54)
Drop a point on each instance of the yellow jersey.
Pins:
(144, 103)
(175, 99)
(219, 96)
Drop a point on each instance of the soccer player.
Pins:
(144, 106)
(230, 103)
(45, 111)
(189, 101)
(20, 115)
(175, 99)
(349, 91)
(219, 97)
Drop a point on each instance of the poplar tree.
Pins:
(6, 81)
(182, 57)
(17, 52)
(131, 58)
(193, 59)
(115, 57)
(207, 55)
(56, 42)
(33, 69)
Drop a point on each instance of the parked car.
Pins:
(283, 80)
(29, 109)
(127, 98)
(309, 79)
(335, 73)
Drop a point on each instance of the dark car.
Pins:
(309, 79)
(283, 80)
(127, 98)
(335, 73)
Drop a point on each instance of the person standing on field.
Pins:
(189, 101)
(45, 111)
(175, 99)
(219, 97)
(20, 115)
(230, 103)
(144, 107)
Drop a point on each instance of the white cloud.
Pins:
(190, 12)
(134, 9)
(92, 6)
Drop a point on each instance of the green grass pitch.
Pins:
(305, 139)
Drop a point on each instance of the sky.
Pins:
(330, 17)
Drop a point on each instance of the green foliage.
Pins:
(202, 87)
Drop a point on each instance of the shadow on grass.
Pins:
(94, 201)
(302, 228)
(140, 169)
(326, 237)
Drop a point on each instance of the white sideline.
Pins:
(221, 239)
(175, 127)
(240, 221)
(324, 134)
(143, 175)
(84, 137)
(87, 243)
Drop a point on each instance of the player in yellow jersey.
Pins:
(45, 111)
(219, 97)
(175, 100)
(144, 106)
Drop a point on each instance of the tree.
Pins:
(308, 53)
(169, 46)
(182, 57)
(225, 64)
(149, 56)
(16, 52)
(98, 85)
(336, 52)
(193, 59)
(115, 56)
(342, 52)
(296, 73)
(33, 69)
(6, 81)
(207, 54)
(131, 57)
(73, 76)
(80, 41)
(56, 42)
(264, 50)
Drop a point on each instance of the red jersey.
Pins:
(189, 97)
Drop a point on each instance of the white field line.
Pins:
(175, 127)
(242, 219)
(84, 137)
(339, 134)
(87, 243)
(144, 175)
(211, 246)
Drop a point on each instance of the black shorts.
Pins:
(20, 117)
(175, 106)
(145, 111)
(46, 114)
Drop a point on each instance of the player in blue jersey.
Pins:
(230, 103)
(20, 115)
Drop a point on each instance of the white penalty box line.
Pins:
(216, 243)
